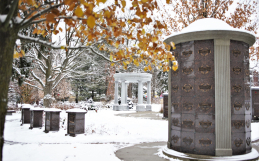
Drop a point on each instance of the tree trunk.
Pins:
(48, 95)
(7, 41)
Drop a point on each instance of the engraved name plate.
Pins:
(237, 106)
(187, 87)
(238, 143)
(175, 138)
(187, 53)
(205, 142)
(188, 141)
(187, 71)
(175, 121)
(237, 88)
(188, 123)
(248, 141)
(204, 107)
(236, 53)
(204, 70)
(237, 70)
(205, 124)
(205, 87)
(204, 52)
(237, 124)
(175, 88)
(187, 106)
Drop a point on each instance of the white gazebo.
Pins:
(126, 78)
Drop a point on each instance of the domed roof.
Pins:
(210, 28)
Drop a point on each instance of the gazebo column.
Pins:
(126, 91)
(148, 106)
(123, 105)
(140, 106)
(115, 106)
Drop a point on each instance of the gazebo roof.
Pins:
(133, 77)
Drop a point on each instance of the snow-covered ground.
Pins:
(104, 134)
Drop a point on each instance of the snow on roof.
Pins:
(254, 88)
(27, 106)
(52, 110)
(208, 24)
(77, 110)
(37, 109)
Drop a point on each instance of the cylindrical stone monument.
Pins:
(209, 94)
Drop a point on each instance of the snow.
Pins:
(76, 110)
(37, 109)
(25, 106)
(208, 24)
(254, 88)
(52, 110)
(105, 133)
(252, 155)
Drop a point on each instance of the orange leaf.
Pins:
(79, 12)
(149, 67)
(107, 14)
(34, 31)
(91, 22)
(123, 3)
(50, 17)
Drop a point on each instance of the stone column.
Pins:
(169, 105)
(222, 97)
(140, 106)
(115, 106)
(123, 105)
(148, 106)
(126, 91)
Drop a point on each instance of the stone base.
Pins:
(223, 152)
(120, 107)
(188, 157)
(148, 107)
(141, 108)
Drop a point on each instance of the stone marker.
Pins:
(52, 119)
(75, 121)
(36, 117)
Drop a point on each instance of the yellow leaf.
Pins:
(107, 14)
(154, 39)
(111, 58)
(125, 64)
(117, 44)
(123, 3)
(62, 47)
(16, 55)
(175, 68)
(23, 53)
(149, 67)
(143, 31)
(112, 64)
(91, 22)
(79, 12)
(145, 69)
(125, 67)
(173, 45)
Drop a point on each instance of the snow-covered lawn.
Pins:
(104, 134)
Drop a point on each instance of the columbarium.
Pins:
(209, 95)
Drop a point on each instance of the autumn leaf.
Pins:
(111, 58)
(123, 3)
(79, 12)
(173, 45)
(149, 68)
(62, 47)
(167, 1)
(145, 69)
(91, 22)
(112, 64)
(50, 17)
